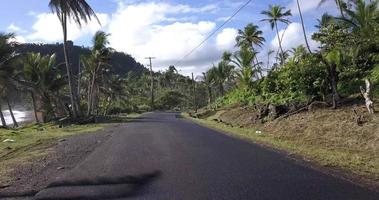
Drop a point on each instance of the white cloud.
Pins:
(310, 6)
(19, 39)
(226, 40)
(158, 29)
(293, 37)
(13, 28)
(47, 28)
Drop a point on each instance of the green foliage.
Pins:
(170, 99)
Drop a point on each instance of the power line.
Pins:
(214, 32)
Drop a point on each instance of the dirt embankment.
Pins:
(62, 155)
(331, 138)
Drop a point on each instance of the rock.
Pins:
(258, 132)
(60, 168)
(9, 140)
(61, 140)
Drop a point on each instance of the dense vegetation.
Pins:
(348, 55)
(107, 82)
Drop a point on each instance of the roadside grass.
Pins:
(338, 147)
(36, 140)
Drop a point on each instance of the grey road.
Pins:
(163, 157)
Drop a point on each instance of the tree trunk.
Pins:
(221, 86)
(333, 84)
(280, 44)
(15, 124)
(341, 9)
(302, 24)
(3, 122)
(74, 105)
(368, 97)
(79, 77)
(209, 96)
(34, 107)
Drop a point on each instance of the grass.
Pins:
(36, 140)
(327, 138)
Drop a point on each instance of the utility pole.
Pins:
(152, 82)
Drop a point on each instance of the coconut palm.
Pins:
(95, 66)
(276, 14)
(80, 11)
(363, 18)
(221, 73)
(325, 20)
(334, 60)
(244, 61)
(44, 82)
(303, 26)
(208, 81)
(250, 36)
(7, 58)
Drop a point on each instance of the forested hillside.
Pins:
(121, 63)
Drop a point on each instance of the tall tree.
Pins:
(363, 17)
(44, 81)
(78, 10)
(221, 73)
(7, 58)
(95, 65)
(334, 61)
(276, 14)
(250, 36)
(303, 26)
(246, 71)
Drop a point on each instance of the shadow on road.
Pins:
(125, 186)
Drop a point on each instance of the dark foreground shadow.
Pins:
(110, 188)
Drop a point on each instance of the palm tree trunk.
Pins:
(209, 96)
(339, 4)
(3, 122)
(280, 43)
(303, 26)
(221, 89)
(34, 107)
(15, 124)
(333, 84)
(68, 68)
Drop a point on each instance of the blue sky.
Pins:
(166, 29)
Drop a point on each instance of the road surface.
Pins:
(163, 157)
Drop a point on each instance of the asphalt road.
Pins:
(163, 157)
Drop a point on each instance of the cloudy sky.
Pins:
(166, 29)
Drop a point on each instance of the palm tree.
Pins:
(208, 80)
(7, 57)
(276, 14)
(78, 10)
(250, 36)
(95, 65)
(244, 61)
(334, 60)
(303, 26)
(44, 82)
(221, 74)
(325, 20)
(364, 17)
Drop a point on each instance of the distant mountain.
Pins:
(121, 63)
